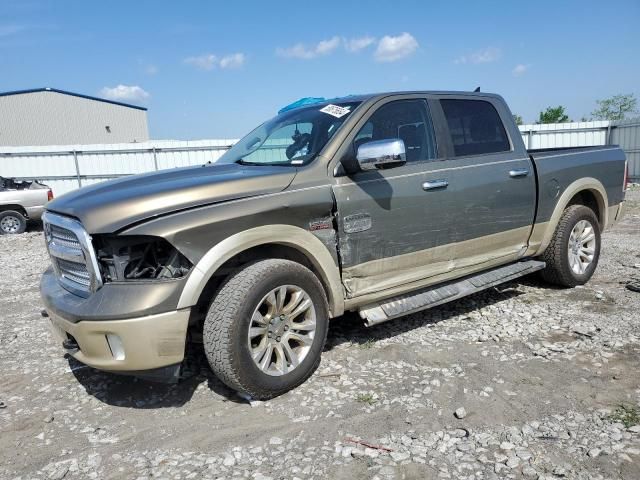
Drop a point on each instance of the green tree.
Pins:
(517, 119)
(616, 107)
(554, 115)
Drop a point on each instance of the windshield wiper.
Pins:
(242, 161)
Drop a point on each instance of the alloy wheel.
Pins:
(582, 247)
(282, 330)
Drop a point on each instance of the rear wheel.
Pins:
(574, 251)
(266, 328)
(12, 222)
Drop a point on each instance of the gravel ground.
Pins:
(521, 381)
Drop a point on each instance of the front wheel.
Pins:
(573, 253)
(266, 328)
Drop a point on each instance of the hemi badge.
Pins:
(323, 224)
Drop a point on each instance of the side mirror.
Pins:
(377, 153)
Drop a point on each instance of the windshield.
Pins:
(294, 137)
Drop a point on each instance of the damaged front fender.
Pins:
(308, 244)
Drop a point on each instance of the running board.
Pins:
(430, 297)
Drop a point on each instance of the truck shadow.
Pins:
(34, 226)
(131, 392)
(350, 328)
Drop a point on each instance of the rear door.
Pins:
(491, 175)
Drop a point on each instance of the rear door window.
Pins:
(475, 127)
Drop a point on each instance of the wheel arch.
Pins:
(585, 191)
(16, 208)
(279, 238)
(593, 199)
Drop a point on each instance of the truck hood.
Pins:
(110, 206)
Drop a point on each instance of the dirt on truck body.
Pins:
(383, 205)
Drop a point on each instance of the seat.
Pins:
(413, 138)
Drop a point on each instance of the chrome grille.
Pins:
(65, 237)
(72, 254)
(74, 272)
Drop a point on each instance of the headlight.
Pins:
(131, 258)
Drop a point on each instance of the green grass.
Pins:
(367, 344)
(627, 415)
(366, 398)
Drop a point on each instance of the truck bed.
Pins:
(558, 168)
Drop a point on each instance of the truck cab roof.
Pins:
(307, 101)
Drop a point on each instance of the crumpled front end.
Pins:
(112, 300)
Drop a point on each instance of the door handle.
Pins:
(435, 184)
(518, 172)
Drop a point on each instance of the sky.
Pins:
(208, 69)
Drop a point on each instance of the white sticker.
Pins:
(335, 110)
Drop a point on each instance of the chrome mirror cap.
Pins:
(373, 154)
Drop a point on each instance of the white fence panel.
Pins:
(558, 135)
(68, 167)
(45, 163)
(60, 187)
(172, 154)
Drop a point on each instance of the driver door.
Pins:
(391, 230)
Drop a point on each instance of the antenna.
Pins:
(476, 90)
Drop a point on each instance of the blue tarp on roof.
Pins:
(301, 103)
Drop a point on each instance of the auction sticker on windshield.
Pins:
(335, 110)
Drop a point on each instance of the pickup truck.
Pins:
(380, 204)
(20, 201)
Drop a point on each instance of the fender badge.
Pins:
(323, 224)
(355, 223)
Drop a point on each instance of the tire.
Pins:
(561, 269)
(229, 347)
(12, 222)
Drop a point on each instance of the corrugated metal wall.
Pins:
(56, 165)
(54, 118)
(557, 135)
(627, 135)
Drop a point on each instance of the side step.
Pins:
(430, 297)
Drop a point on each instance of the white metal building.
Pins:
(47, 116)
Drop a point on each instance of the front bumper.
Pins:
(131, 345)
(120, 328)
(114, 301)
